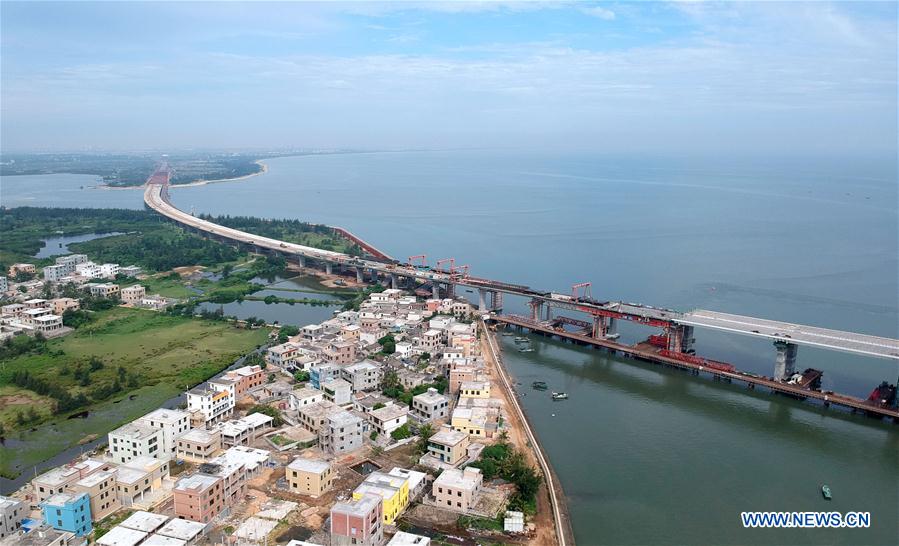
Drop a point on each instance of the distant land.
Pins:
(133, 169)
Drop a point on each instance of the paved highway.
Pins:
(794, 333)
(156, 197)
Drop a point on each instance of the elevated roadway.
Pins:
(156, 197)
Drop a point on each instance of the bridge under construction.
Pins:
(673, 345)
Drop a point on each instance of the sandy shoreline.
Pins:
(552, 519)
(190, 184)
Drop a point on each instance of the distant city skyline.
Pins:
(611, 77)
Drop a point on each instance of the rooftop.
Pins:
(166, 415)
(96, 478)
(160, 540)
(432, 396)
(448, 436)
(61, 499)
(358, 507)
(314, 466)
(181, 528)
(402, 538)
(196, 482)
(389, 412)
(135, 431)
(459, 479)
(66, 473)
(144, 521)
(122, 536)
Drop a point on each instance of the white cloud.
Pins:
(600, 12)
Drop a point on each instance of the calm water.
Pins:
(657, 457)
(282, 313)
(57, 246)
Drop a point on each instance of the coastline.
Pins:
(190, 184)
(552, 520)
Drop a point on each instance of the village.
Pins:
(358, 430)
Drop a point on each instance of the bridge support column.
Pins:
(600, 328)
(680, 338)
(328, 268)
(549, 313)
(360, 276)
(374, 275)
(394, 281)
(536, 309)
(435, 290)
(301, 260)
(496, 300)
(482, 300)
(785, 364)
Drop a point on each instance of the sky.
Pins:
(678, 77)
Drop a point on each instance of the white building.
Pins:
(214, 402)
(172, 423)
(133, 294)
(387, 419)
(134, 440)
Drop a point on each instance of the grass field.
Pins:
(168, 354)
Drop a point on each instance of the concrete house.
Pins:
(309, 476)
(430, 406)
(458, 489)
(358, 522)
(449, 446)
(341, 433)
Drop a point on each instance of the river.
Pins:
(645, 455)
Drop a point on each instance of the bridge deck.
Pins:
(156, 197)
(794, 333)
(652, 356)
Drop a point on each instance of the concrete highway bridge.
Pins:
(677, 328)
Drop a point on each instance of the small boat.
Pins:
(539, 385)
(560, 396)
(507, 334)
(520, 339)
(825, 491)
(527, 350)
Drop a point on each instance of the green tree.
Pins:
(268, 410)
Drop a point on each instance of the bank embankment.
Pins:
(552, 519)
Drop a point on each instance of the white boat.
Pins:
(522, 340)
(528, 350)
(560, 396)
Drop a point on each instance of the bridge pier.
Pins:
(536, 309)
(435, 290)
(785, 363)
(482, 300)
(328, 268)
(680, 338)
(374, 275)
(360, 276)
(394, 281)
(301, 260)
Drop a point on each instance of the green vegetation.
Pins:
(301, 376)
(401, 433)
(106, 524)
(362, 295)
(293, 231)
(425, 432)
(268, 410)
(279, 440)
(474, 522)
(504, 461)
(133, 169)
(388, 344)
(287, 331)
(391, 387)
(25, 228)
(122, 352)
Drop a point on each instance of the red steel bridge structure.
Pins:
(600, 318)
